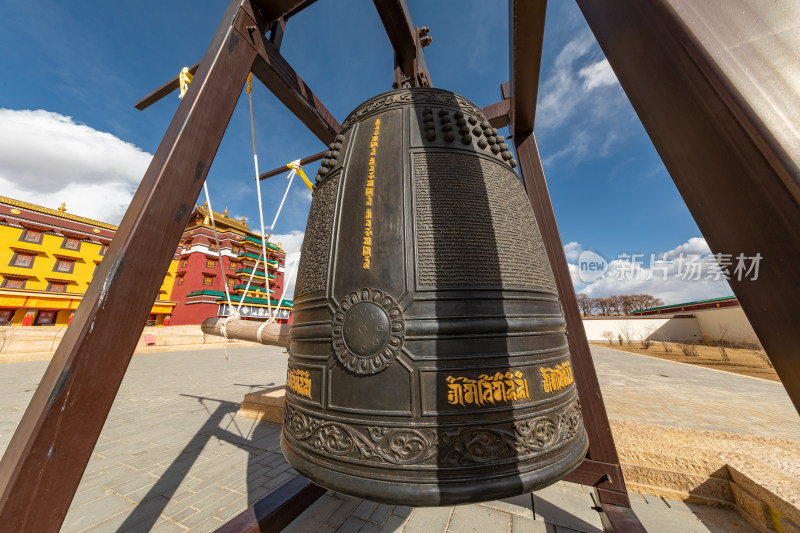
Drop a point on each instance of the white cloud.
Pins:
(685, 273)
(47, 159)
(290, 242)
(581, 99)
(561, 91)
(572, 250)
(597, 75)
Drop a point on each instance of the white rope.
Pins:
(219, 248)
(265, 236)
(285, 283)
(250, 279)
(260, 329)
(290, 177)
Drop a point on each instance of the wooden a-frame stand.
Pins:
(729, 159)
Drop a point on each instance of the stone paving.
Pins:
(647, 389)
(173, 457)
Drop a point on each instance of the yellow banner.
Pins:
(12, 301)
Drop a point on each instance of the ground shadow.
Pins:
(221, 424)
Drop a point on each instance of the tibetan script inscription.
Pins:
(299, 382)
(366, 248)
(486, 390)
(555, 379)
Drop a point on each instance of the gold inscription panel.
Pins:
(556, 379)
(492, 389)
(299, 382)
(487, 390)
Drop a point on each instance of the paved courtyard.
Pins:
(174, 457)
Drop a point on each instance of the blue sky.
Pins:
(69, 131)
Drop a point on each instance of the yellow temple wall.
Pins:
(34, 296)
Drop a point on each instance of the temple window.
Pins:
(211, 263)
(57, 287)
(208, 280)
(22, 260)
(64, 265)
(45, 318)
(71, 243)
(13, 283)
(31, 235)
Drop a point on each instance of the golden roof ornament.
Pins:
(205, 204)
(225, 213)
(63, 207)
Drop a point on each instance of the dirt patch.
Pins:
(743, 362)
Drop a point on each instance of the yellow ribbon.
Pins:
(249, 82)
(299, 170)
(184, 78)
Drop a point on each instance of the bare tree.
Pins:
(748, 340)
(586, 303)
(689, 349)
(609, 336)
(635, 302)
(664, 340)
(626, 331)
(615, 305)
(646, 341)
(603, 305)
(723, 333)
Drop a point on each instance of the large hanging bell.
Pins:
(428, 362)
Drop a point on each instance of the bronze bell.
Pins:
(428, 359)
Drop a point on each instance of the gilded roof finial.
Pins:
(63, 207)
(225, 213)
(205, 204)
(244, 220)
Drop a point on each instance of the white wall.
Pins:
(712, 320)
(673, 329)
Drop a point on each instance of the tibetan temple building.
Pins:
(48, 258)
(199, 287)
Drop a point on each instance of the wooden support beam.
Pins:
(597, 474)
(276, 26)
(710, 83)
(279, 77)
(48, 453)
(526, 34)
(298, 8)
(276, 32)
(163, 91)
(620, 518)
(248, 330)
(595, 418)
(526, 31)
(271, 10)
(498, 114)
(281, 170)
(276, 510)
(405, 40)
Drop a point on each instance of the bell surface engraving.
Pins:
(433, 364)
